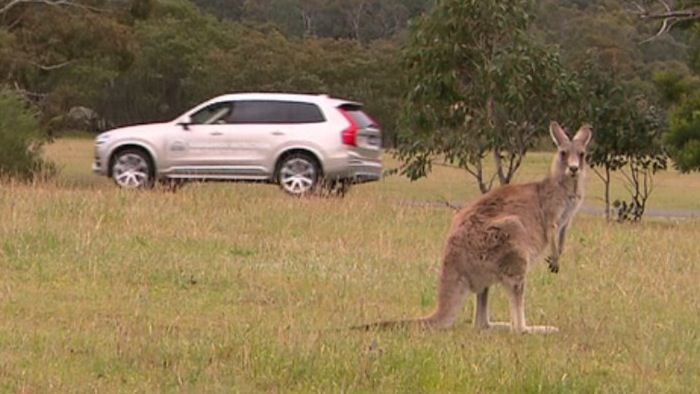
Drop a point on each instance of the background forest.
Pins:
(105, 63)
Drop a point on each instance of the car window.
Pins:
(302, 113)
(260, 111)
(216, 113)
(361, 118)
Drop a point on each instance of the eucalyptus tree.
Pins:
(628, 127)
(21, 138)
(479, 88)
(683, 136)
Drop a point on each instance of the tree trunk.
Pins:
(479, 175)
(606, 180)
(498, 162)
(605, 177)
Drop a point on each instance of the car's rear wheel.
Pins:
(298, 174)
(132, 169)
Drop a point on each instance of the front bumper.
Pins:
(98, 169)
(99, 163)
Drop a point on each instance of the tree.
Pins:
(628, 129)
(364, 20)
(645, 156)
(683, 136)
(602, 104)
(478, 85)
(61, 54)
(20, 138)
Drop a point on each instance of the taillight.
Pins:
(349, 135)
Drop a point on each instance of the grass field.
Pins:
(238, 288)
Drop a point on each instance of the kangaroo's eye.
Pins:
(581, 156)
(562, 154)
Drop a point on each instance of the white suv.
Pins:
(294, 140)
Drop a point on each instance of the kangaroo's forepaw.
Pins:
(553, 264)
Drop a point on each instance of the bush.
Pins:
(683, 136)
(21, 139)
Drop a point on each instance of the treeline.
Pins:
(102, 63)
(149, 60)
(361, 20)
(146, 60)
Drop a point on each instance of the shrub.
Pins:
(21, 139)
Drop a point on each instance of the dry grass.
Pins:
(233, 287)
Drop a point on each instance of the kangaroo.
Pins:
(499, 237)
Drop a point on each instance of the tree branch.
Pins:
(669, 17)
(53, 3)
(49, 67)
(595, 171)
(449, 204)
(32, 97)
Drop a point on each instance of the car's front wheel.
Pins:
(132, 169)
(298, 174)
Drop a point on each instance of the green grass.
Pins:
(238, 288)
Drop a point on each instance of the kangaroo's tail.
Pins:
(451, 294)
(429, 322)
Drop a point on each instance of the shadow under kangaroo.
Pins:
(499, 237)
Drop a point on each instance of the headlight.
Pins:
(101, 139)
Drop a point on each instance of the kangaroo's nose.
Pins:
(573, 169)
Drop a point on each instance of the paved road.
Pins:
(650, 212)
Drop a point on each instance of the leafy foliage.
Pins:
(477, 84)
(679, 87)
(20, 138)
(683, 139)
(362, 20)
(149, 60)
(628, 129)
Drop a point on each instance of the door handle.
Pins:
(277, 133)
(216, 133)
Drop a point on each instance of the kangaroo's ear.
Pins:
(584, 134)
(558, 134)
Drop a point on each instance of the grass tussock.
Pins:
(233, 287)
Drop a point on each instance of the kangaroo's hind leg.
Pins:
(481, 315)
(514, 282)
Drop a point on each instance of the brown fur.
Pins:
(498, 238)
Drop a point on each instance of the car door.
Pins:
(257, 128)
(201, 147)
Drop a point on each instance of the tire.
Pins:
(132, 169)
(298, 174)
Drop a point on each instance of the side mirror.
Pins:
(185, 123)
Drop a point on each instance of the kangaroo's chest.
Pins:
(571, 204)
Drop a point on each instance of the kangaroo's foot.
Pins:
(539, 330)
(516, 291)
(493, 326)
